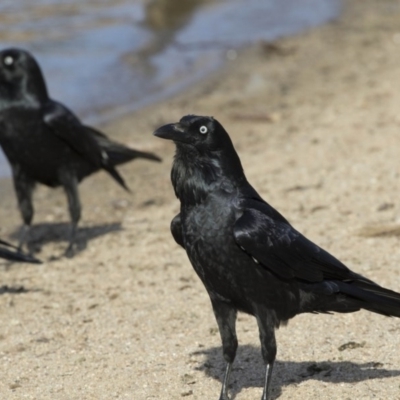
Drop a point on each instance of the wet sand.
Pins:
(315, 120)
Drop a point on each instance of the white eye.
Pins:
(203, 129)
(8, 60)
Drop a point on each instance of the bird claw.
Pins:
(75, 247)
(264, 397)
(70, 252)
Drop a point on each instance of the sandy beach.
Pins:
(315, 119)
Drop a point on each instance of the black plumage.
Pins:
(45, 142)
(9, 252)
(246, 253)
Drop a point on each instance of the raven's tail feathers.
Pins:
(118, 153)
(372, 297)
(118, 178)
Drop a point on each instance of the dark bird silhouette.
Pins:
(9, 252)
(246, 253)
(46, 143)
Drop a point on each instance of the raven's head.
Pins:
(21, 77)
(205, 134)
(205, 158)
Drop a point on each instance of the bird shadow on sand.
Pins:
(44, 233)
(249, 371)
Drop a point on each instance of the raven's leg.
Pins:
(268, 350)
(70, 184)
(24, 189)
(226, 320)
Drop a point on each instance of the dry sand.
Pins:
(316, 121)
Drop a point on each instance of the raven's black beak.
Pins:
(171, 132)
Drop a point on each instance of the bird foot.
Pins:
(70, 252)
(74, 248)
(224, 395)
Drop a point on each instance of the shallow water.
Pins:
(105, 58)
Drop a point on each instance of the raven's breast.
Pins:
(217, 259)
(29, 143)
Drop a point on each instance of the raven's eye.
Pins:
(203, 129)
(8, 60)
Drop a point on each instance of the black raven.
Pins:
(246, 253)
(9, 252)
(46, 143)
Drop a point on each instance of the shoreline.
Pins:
(111, 115)
(315, 121)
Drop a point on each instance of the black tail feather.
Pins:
(372, 297)
(118, 178)
(121, 154)
(117, 152)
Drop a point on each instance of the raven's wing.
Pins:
(80, 138)
(9, 252)
(67, 127)
(277, 246)
(176, 230)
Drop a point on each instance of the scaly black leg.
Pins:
(226, 320)
(225, 382)
(24, 190)
(70, 184)
(268, 349)
(268, 374)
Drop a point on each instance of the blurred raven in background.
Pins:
(246, 253)
(46, 143)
